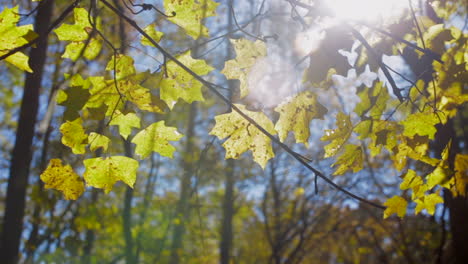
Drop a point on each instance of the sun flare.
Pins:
(367, 10)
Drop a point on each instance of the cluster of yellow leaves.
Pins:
(12, 36)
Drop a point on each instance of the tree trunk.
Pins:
(458, 206)
(127, 214)
(22, 152)
(185, 190)
(225, 247)
(228, 214)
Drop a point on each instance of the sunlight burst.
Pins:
(367, 10)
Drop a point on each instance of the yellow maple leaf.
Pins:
(414, 182)
(244, 136)
(188, 14)
(73, 136)
(247, 53)
(395, 205)
(428, 202)
(63, 179)
(351, 159)
(338, 136)
(296, 114)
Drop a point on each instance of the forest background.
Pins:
(124, 126)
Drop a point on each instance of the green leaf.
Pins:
(189, 15)
(122, 66)
(373, 101)
(73, 136)
(428, 202)
(351, 159)
(337, 136)
(395, 205)
(74, 98)
(125, 122)
(79, 30)
(156, 138)
(74, 50)
(244, 136)
(79, 34)
(105, 92)
(12, 36)
(153, 33)
(98, 141)
(105, 172)
(180, 84)
(247, 53)
(422, 124)
(296, 114)
(63, 179)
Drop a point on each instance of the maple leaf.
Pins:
(351, 159)
(156, 138)
(74, 98)
(244, 136)
(103, 93)
(73, 136)
(441, 175)
(337, 136)
(180, 84)
(12, 36)
(428, 202)
(414, 182)
(155, 35)
(373, 101)
(62, 178)
(415, 148)
(296, 114)
(247, 53)
(396, 205)
(74, 50)
(422, 124)
(103, 173)
(98, 141)
(125, 122)
(381, 133)
(188, 14)
(122, 66)
(78, 33)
